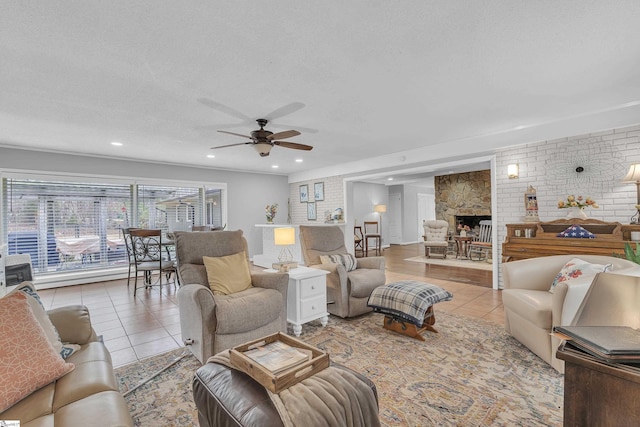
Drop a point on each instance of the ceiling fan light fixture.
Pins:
(262, 148)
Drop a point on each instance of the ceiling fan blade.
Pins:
(233, 133)
(223, 108)
(231, 145)
(300, 128)
(283, 111)
(284, 135)
(293, 145)
(216, 127)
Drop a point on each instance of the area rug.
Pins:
(166, 398)
(459, 263)
(471, 373)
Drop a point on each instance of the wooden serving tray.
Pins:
(278, 382)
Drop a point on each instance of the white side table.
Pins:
(306, 297)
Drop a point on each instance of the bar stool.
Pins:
(358, 240)
(371, 232)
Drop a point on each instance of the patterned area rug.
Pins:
(471, 373)
(460, 263)
(165, 400)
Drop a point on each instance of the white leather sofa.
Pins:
(531, 311)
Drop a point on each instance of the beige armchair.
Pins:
(213, 323)
(435, 237)
(531, 311)
(347, 291)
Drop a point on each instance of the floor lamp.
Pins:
(380, 209)
(634, 176)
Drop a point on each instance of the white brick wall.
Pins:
(333, 198)
(607, 154)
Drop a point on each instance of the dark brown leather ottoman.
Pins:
(229, 398)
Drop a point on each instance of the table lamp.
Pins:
(284, 237)
(634, 176)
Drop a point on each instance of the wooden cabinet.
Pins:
(597, 394)
(543, 241)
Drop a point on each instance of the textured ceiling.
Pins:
(371, 77)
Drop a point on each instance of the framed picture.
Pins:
(304, 193)
(318, 191)
(311, 211)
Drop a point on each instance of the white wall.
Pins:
(365, 197)
(410, 232)
(333, 199)
(549, 166)
(248, 193)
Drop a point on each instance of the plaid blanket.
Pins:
(407, 299)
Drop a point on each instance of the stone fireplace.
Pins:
(463, 198)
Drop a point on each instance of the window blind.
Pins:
(69, 225)
(66, 225)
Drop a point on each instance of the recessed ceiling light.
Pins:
(211, 156)
(298, 160)
(274, 166)
(390, 178)
(117, 144)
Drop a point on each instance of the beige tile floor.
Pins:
(134, 328)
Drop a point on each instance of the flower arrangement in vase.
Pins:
(463, 229)
(270, 212)
(577, 205)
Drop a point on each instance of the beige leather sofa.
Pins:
(531, 311)
(87, 396)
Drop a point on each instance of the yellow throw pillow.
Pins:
(228, 274)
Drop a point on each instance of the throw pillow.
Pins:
(28, 361)
(577, 232)
(348, 260)
(41, 315)
(228, 274)
(577, 268)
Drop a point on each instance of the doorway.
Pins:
(426, 211)
(395, 219)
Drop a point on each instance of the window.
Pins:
(66, 225)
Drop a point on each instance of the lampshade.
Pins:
(263, 148)
(380, 208)
(284, 236)
(633, 175)
(512, 171)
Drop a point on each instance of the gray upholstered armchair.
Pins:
(347, 291)
(214, 323)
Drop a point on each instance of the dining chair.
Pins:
(126, 235)
(371, 231)
(148, 249)
(358, 240)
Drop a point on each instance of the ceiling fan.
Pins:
(263, 140)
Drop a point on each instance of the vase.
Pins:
(463, 233)
(577, 213)
(269, 220)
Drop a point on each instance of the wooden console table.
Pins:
(598, 394)
(610, 239)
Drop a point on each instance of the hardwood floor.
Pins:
(134, 328)
(396, 254)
